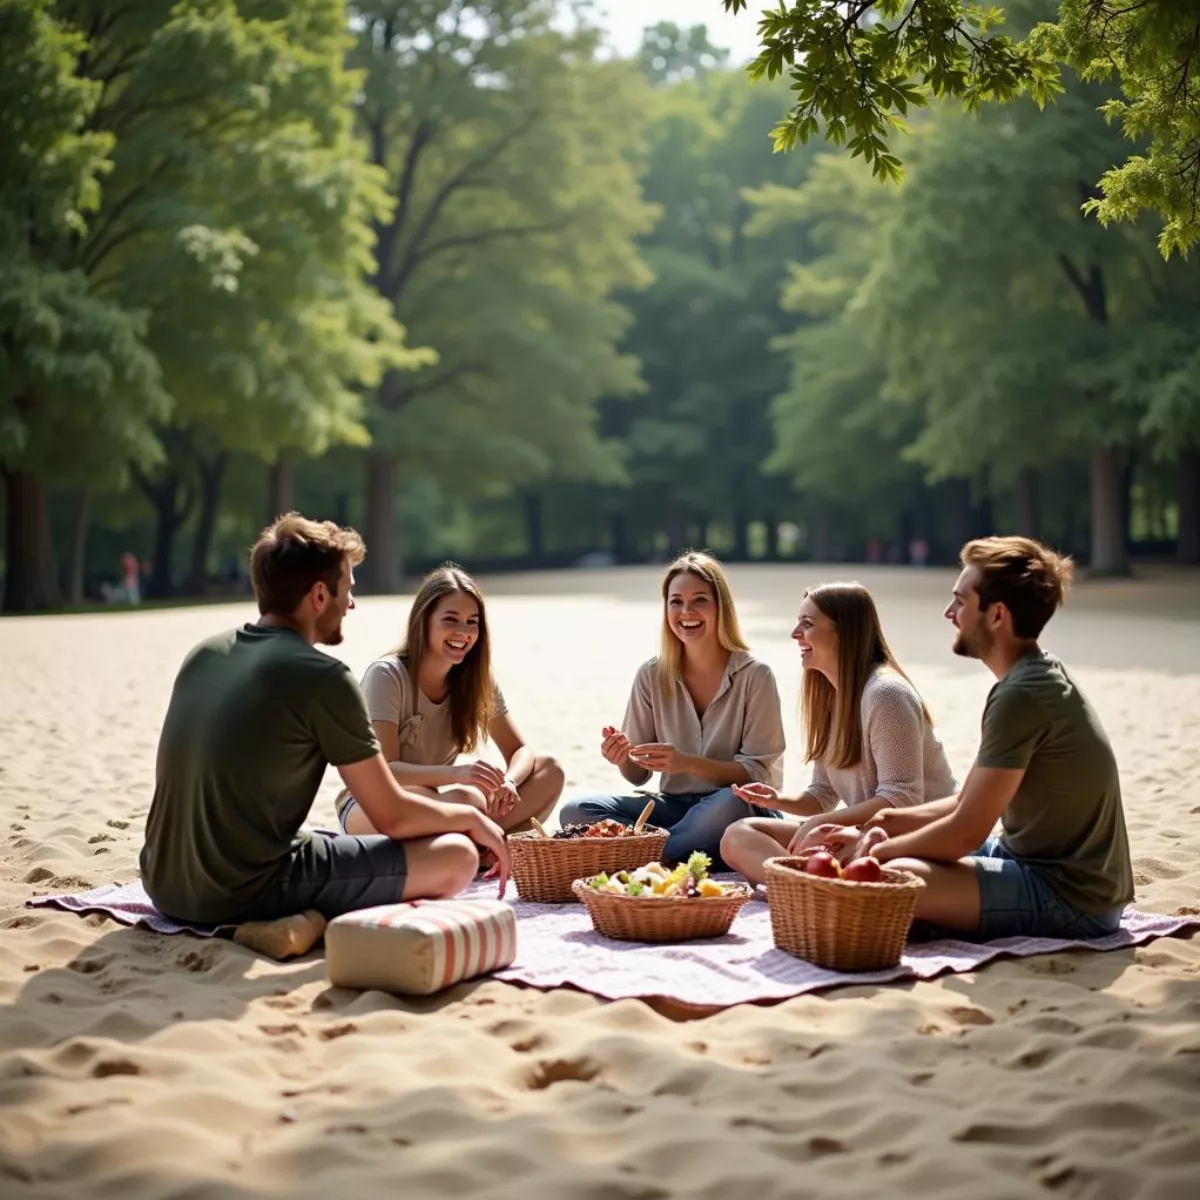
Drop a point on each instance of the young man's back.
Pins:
(1066, 819)
(255, 717)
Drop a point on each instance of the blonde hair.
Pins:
(472, 694)
(729, 631)
(1029, 579)
(833, 716)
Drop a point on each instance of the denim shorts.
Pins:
(335, 875)
(1016, 901)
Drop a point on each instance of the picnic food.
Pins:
(607, 828)
(863, 870)
(824, 864)
(687, 881)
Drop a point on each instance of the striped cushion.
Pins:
(420, 947)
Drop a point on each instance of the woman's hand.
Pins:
(481, 775)
(502, 801)
(840, 840)
(615, 746)
(656, 756)
(807, 826)
(809, 836)
(757, 795)
(870, 839)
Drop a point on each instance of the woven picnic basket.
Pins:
(661, 919)
(840, 924)
(545, 868)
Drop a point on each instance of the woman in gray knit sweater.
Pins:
(869, 735)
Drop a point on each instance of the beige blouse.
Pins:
(426, 738)
(743, 723)
(903, 760)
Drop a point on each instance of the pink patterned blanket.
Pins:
(556, 947)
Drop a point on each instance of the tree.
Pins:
(238, 212)
(77, 384)
(859, 66)
(511, 155)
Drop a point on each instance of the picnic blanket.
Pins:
(556, 947)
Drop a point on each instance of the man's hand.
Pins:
(487, 835)
(615, 745)
(871, 838)
(757, 795)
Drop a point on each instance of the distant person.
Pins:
(704, 713)
(1045, 770)
(869, 734)
(131, 591)
(255, 717)
(918, 551)
(433, 699)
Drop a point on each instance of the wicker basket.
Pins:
(672, 919)
(544, 868)
(839, 924)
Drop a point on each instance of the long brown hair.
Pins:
(729, 631)
(472, 694)
(833, 717)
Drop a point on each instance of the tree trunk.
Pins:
(381, 568)
(820, 540)
(30, 576)
(281, 489)
(1188, 547)
(533, 526)
(741, 537)
(76, 581)
(172, 506)
(211, 474)
(1028, 517)
(619, 528)
(1110, 552)
(774, 548)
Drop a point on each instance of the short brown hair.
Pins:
(292, 554)
(1029, 579)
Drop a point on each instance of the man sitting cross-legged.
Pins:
(255, 717)
(1045, 770)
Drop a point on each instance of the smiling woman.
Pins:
(433, 699)
(704, 713)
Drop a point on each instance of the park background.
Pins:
(525, 284)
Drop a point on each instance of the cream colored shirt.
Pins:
(743, 723)
(424, 728)
(903, 760)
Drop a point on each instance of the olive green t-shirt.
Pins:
(255, 717)
(1066, 819)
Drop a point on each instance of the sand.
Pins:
(134, 1066)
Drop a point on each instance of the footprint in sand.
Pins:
(561, 1070)
(115, 1066)
(968, 1015)
(337, 1031)
(39, 875)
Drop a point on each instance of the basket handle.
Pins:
(539, 827)
(645, 816)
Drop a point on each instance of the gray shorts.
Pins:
(338, 874)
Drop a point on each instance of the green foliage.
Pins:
(511, 155)
(857, 67)
(1153, 49)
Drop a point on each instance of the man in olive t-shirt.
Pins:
(1045, 770)
(255, 717)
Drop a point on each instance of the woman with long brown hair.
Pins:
(433, 699)
(868, 733)
(705, 713)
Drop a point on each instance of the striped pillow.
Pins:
(420, 947)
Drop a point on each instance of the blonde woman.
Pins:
(434, 699)
(868, 733)
(704, 714)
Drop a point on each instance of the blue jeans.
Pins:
(696, 820)
(1016, 901)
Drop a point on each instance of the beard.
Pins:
(972, 647)
(331, 634)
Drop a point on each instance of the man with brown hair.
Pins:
(1045, 770)
(256, 716)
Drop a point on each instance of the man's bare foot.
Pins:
(285, 938)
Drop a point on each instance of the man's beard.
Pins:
(331, 636)
(966, 647)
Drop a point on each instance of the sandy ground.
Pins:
(133, 1065)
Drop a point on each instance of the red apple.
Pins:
(863, 870)
(824, 864)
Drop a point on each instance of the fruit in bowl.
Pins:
(823, 864)
(688, 881)
(863, 870)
